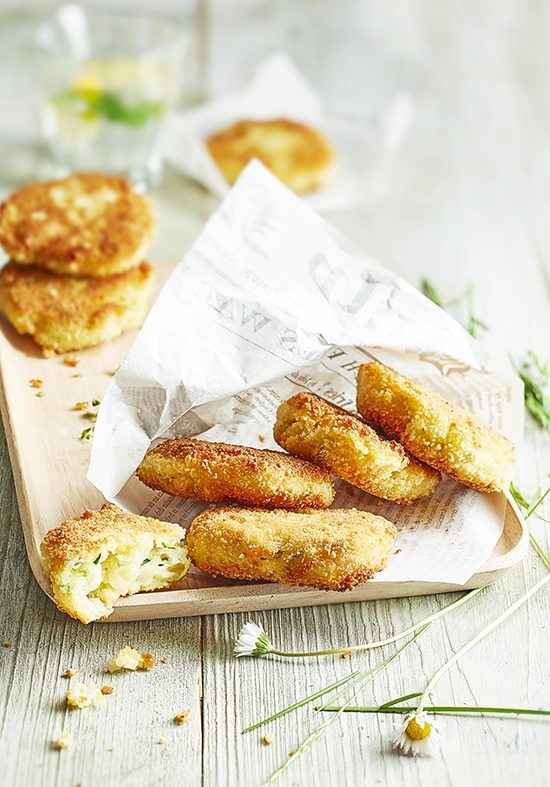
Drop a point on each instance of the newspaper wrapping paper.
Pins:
(278, 90)
(271, 300)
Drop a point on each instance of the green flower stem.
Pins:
(363, 679)
(400, 699)
(533, 507)
(481, 635)
(305, 701)
(450, 709)
(379, 643)
(539, 550)
(530, 509)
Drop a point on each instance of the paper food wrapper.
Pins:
(269, 301)
(278, 90)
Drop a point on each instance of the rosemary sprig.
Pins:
(473, 324)
(362, 680)
(535, 376)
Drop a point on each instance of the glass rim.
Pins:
(172, 22)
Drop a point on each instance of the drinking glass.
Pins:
(107, 79)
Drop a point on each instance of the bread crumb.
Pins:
(164, 660)
(111, 748)
(83, 695)
(71, 360)
(81, 406)
(182, 717)
(34, 383)
(63, 740)
(113, 372)
(7, 645)
(76, 375)
(261, 438)
(148, 661)
(267, 740)
(346, 654)
(107, 689)
(69, 673)
(162, 741)
(129, 658)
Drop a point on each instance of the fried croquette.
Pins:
(98, 557)
(435, 430)
(334, 549)
(219, 472)
(83, 225)
(314, 429)
(298, 155)
(65, 313)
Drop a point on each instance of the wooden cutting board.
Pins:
(50, 461)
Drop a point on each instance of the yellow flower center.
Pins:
(416, 732)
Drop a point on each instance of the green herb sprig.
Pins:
(473, 324)
(535, 375)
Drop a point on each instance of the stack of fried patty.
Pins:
(76, 275)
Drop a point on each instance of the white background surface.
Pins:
(460, 192)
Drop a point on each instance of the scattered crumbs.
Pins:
(267, 740)
(36, 383)
(90, 415)
(81, 406)
(69, 673)
(112, 373)
(164, 660)
(82, 695)
(76, 375)
(111, 748)
(291, 753)
(261, 438)
(148, 661)
(182, 717)
(7, 645)
(162, 741)
(71, 360)
(107, 689)
(129, 658)
(96, 402)
(63, 740)
(397, 551)
(346, 654)
(40, 394)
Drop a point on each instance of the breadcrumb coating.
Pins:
(219, 472)
(64, 313)
(300, 156)
(332, 549)
(94, 559)
(86, 224)
(438, 432)
(314, 429)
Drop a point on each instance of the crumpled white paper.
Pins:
(271, 300)
(278, 89)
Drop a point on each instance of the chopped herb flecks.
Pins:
(86, 434)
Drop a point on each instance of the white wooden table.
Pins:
(463, 198)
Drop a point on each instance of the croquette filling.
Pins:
(92, 584)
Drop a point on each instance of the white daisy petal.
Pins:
(252, 641)
(417, 736)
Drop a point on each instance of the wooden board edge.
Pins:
(21, 492)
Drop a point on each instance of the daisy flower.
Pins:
(252, 641)
(417, 736)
